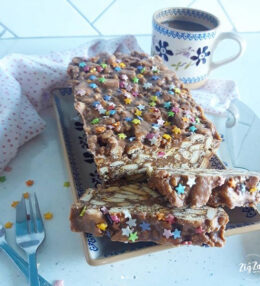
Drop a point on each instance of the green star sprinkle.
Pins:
(122, 135)
(142, 70)
(197, 120)
(104, 65)
(66, 184)
(152, 103)
(133, 236)
(95, 121)
(154, 98)
(2, 179)
(170, 113)
(102, 79)
(177, 90)
(83, 211)
(135, 79)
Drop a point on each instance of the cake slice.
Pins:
(135, 212)
(200, 187)
(137, 114)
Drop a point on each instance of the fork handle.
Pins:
(33, 272)
(21, 263)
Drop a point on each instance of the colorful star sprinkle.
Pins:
(197, 120)
(152, 103)
(191, 181)
(192, 128)
(199, 229)
(135, 79)
(126, 231)
(127, 214)
(160, 216)
(115, 218)
(29, 183)
(128, 100)
(175, 109)
(176, 233)
(124, 77)
(138, 112)
(117, 69)
(170, 218)
(103, 65)
(66, 184)
(136, 121)
(102, 79)
(26, 195)
(131, 222)
(128, 119)
(155, 69)
(93, 85)
(153, 140)
(177, 90)
(167, 104)
(155, 77)
(167, 137)
(107, 97)
(252, 190)
(95, 103)
(133, 236)
(160, 122)
(131, 139)
(95, 121)
(48, 215)
(176, 130)
(185, 119)
(243, 188)
(147, 85)
(82, 64)
(145, 226)
(112, 112)
(180, 189)
(2, 179)
(171, 86)
(122, 65)
(167, 233)
(102, 226)
(170, 114)
(158, 93)
(8, 224)
(122, 136)
(141, 107)
(92, 77)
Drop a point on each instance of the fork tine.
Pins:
(39, 222)
(32, 225)
(21, 218)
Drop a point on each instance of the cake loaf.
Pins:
(200, 187)
(135, 212)
(137, 114)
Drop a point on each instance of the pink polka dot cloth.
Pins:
(26, 81)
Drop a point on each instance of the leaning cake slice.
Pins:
(200, 187)
(135, 212)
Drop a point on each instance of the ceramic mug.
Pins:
(186, 39)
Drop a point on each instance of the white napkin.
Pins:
(26, 81)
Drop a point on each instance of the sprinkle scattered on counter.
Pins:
(48, 215)
(14, 204)
(2, 179)
(66, 184)
(58, 283)
(8, 224)
(26, 195)
(29, 183)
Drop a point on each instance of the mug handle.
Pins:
(223, 36)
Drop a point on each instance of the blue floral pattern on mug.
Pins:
(162, 50)
(201, 55)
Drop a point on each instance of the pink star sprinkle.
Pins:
(124, 77)
(59, 283)
(81, 92)
(161, 154)
(86, 69)
(170, 218)
(150, 136)
(160, 121)
(99, 69)
(115, 218)
(175, 109)
(129, 88)
(199, 229)
(167, 233)
(135, 94)
(122, 84)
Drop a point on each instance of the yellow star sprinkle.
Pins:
(136, 121)
(93, 70)
(122, 65)
(153, 98)
(176, 130)
(26, 195)
(177, 90)
(138, 112)
(14, 204)
(167, 137)
(128, 100)
(48, 216)
(185, 119)
(122, 135)
(102, 226)
(252, 190)
(167, 123)
(160, 216)
(8, 224)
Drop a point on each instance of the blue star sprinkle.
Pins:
(145, 226)
(243, 188)
(140, 68)
(107, 97)
(117, 69)
(92, 85)
(167, 104)
(128, 119)
(158, 93)
(155, 126)
(82, 64)
(131, 139)
(180, 189)
(192, 128)
(170, 92)
(176, 233)
(112, 112)
(140, 118)
(92, 77)
(141, 107)
(95, 103)
(155, 77)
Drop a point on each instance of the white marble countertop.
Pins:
(61, 256)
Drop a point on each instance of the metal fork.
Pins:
(16, 258)
(30, 234)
